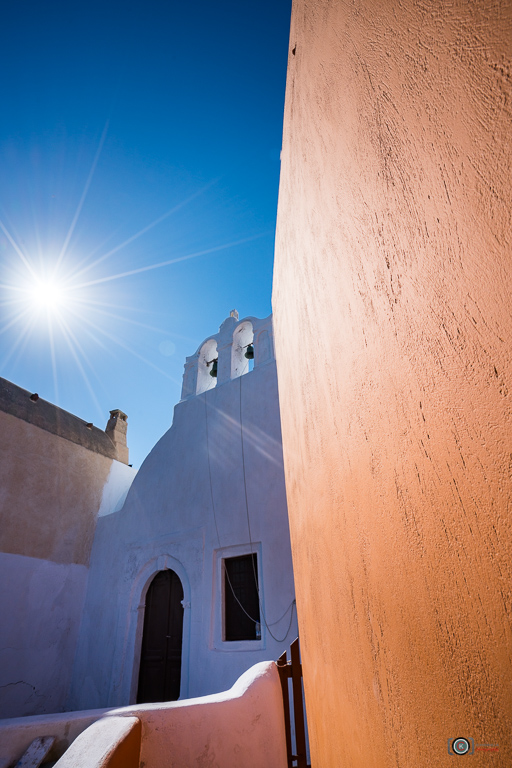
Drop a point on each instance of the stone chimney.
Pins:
(116, 429)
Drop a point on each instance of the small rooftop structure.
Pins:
(32, 408)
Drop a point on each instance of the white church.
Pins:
(121, 587)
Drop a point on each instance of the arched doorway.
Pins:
(160, 659)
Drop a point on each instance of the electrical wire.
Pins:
(292, 604)
(215, 516)
(262, 612)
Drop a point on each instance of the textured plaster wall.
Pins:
(50, 493)
(393, 325)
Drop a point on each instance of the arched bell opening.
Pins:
(242, 351)
(207, 366)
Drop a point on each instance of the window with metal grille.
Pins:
(241, 603)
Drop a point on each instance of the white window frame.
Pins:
(217, 641)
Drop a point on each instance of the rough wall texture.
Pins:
(50, 493)
(393, 326)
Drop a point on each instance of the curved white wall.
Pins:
(168, 521)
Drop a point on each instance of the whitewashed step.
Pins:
(36, 752)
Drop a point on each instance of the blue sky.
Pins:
(130, 135)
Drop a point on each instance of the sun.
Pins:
(50, 295)
(55, 301)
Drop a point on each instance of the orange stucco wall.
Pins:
(392, 313)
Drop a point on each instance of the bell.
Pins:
(213, 371)
(249, 352)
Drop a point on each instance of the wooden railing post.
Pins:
(283, 668)
(293, 669)
(298, 706)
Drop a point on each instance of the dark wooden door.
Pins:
(160, 662)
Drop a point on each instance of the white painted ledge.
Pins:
(240, 727)
(112, 742)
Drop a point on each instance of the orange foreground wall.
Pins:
(393, 318)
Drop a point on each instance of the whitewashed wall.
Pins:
(167, 522)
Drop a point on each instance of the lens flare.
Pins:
(55, 302)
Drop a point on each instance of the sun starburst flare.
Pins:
(57, 299)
